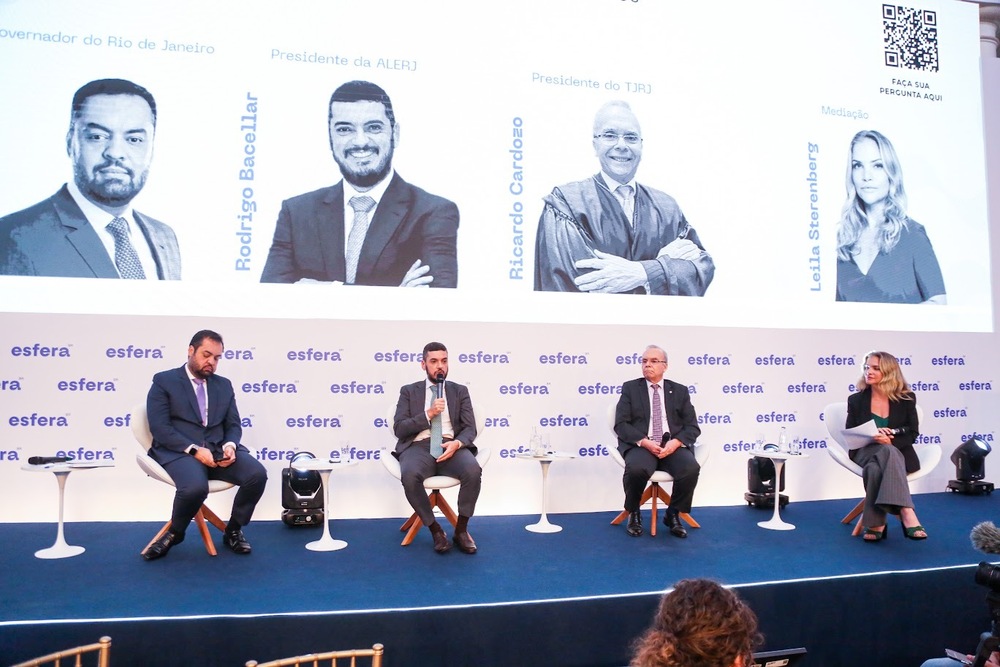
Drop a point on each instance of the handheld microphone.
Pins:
(898, 431)
(985, 536)
(43, 460)
(438, 385)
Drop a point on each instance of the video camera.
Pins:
(989, 576)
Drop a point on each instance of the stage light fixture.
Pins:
(970, 467)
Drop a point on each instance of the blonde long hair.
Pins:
(893, 384)
(854, 216)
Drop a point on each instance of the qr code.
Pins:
(911, 37)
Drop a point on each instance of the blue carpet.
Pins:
(589, 563)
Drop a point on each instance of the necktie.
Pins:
(657, 415)
(624, 192)
(359, 229)
(199, 392)
(126, 258)
(437, 440)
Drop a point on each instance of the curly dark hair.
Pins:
(699, 624)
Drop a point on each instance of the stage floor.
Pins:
(590, 569)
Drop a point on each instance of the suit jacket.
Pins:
(902, 413)
(411, 414)
(54, 238)
(633, 411)
(175, 419)
(409, 224)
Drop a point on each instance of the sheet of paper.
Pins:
(860, 435)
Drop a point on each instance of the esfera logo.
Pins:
(87, 454)
(710, 418)
(398, 356)
(270, 387)
(774, 360)
(562, 359)
(561, 421)
(131, 351)
(357, 387)
(84, 384)
(11, 385)
(482, 357)
(311, 354)
(836, 360)
(710, 360)
(37, 420)
(523, 389)
(920, 385)
(974, 385)
(38, 350)
(309, 421)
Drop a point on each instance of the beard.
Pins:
(110, 192)
(366, 177)
(433, 378)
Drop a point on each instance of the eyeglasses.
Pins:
(872, 368)
(652, 361)
(631, 138)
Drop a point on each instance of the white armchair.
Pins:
(436, 483)
(654, 491)
(835, 417)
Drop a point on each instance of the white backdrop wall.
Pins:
(759, 351)
(558, 379)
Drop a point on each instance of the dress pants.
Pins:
(883, 470)
(416, 464)
(640, 465)
(191, 479)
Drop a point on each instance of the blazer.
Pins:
(54, 238)
(175, 419)
(411, 414)
(409, 224)
(633, 411)
(902, 413)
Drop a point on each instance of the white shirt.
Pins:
(447, 430)
(613, 185)
(99, 219)
(663, 409)
(375, 193)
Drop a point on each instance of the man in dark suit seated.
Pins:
(657, 427)
(372, 228)
(196, 437)
(88, 229)
(435, 437)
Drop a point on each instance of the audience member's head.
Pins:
(699, 624)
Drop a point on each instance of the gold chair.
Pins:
(102, 648)
(140, 429)
(313, 659)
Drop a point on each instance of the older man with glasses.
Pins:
(610, 234)
(657, 427)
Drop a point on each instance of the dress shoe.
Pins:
(464, 542)
(672, 520)
(160, 547)
(236, 542)
(634, 527)
(441, 543)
